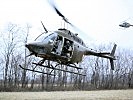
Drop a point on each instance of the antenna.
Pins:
(44, 27)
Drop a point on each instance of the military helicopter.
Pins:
(125, 25)
(63, 47)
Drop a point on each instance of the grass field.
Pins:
(69, 95)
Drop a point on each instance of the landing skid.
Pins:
(33, 70)
(54, 67)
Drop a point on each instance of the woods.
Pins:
(97, 70)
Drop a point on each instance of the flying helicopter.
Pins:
(125, 25)
(63, 47)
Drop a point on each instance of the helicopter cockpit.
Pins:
(57, 44)
(46, 37)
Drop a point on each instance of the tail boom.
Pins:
(107, 55)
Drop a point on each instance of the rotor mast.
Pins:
(64, 25)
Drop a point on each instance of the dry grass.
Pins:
(69, 95)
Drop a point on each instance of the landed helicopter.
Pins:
(63, 47)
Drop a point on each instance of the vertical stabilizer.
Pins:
(113, 50)
(112, 64)
(112, 54)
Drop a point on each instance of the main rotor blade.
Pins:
(44, 27)
(59, 13)
(53, 5)
(51, 2)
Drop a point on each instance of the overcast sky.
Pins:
(99, 19)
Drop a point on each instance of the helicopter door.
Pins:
(67, 49)
(57, 49)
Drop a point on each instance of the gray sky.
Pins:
(99, 19)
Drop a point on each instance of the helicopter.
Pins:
(125, 25)
(63, 47)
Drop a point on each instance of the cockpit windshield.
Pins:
(46, 37)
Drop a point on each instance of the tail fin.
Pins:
(112, 64)
(113, 50)
(111, 59)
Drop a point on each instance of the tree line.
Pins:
(97, 70)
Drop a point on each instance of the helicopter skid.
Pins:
(60, 64)
(33, 70)
(53, 68)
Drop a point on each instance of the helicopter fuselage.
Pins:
(61, 46)
(64, 47)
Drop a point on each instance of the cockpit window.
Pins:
(46, 37)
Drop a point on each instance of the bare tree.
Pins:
(25, 58)
(10, 44)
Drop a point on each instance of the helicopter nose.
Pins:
(120, 25)
(36, 47)
(30, 46)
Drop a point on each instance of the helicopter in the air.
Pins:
(125, 25)
(63, 47)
